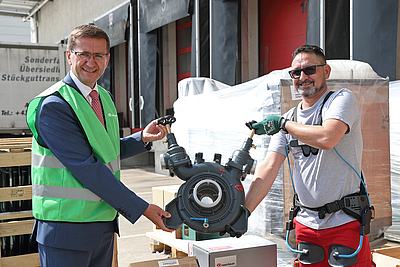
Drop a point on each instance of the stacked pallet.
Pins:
(16, 219)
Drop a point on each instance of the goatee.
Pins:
(309, 92)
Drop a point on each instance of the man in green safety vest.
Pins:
(76, 153)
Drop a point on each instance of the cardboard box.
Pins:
(158, 196)
(170, 192)
(182, 262)
(387, 257)
(373, 100)
(162, 195)
(248, 250)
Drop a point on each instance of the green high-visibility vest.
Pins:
(56, 194)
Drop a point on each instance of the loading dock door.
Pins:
(283, 26)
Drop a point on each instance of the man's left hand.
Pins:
(153, 132)
(270, 125)
(156, 214)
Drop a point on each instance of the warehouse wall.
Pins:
(54, 25)
(13, 29)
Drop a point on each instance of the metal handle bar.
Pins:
(167, 121)
(249, 124)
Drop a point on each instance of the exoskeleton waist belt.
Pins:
(353, 205)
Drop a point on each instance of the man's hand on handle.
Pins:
(153, 132)
(156, 214)
(270, 125)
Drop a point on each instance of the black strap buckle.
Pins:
(330, 208)
(293, 212)
(321, 213)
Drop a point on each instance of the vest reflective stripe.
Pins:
(46, 161)
(53, 162)
(64, 192)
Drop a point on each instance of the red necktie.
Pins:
(96, 105)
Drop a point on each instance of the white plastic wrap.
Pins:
(393, 233)
(351, 69)
(214, 122)
(197, 86)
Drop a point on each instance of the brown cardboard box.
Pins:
(170, 192)
(162, 195)
(158, 196)
(373, 100)
(182, 262)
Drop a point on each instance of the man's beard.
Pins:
(309, 92)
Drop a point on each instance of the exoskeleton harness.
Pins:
(356, 205)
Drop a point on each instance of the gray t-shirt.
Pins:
(325, 177)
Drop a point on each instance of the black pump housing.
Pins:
(212, 197)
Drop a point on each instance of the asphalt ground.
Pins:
(133, 244)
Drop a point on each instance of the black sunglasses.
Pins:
(295, 74)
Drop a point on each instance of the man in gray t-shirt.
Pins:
(320, 175)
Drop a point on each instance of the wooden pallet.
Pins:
(24, 227)
(15, 152)
(14, 228)
(163, 242)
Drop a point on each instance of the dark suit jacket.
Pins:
(60, 131)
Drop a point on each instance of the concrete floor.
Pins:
(133, 244)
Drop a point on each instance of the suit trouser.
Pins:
(347, 234)
(101, 256)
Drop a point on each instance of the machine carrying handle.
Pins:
(167, 121)
(249, 124)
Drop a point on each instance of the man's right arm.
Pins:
(263, 179)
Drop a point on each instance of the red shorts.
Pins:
(347, 235)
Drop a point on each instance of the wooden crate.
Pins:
(373, 100)
(12, 228)
(17, 152)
